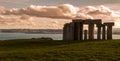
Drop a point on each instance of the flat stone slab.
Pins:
(88, 21)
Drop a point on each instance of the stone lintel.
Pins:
(77, 20)
(88, 21)
(97, 21)
(109, 23)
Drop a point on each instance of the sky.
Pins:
(53, 14)
(23, 3)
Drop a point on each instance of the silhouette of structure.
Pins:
(75, 31)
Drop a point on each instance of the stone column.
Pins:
(85, 34)
(68, 32)
(91, 31)
(99, 32)
(109, 30)
(65, 32)
(103, 32)
(75, 31)
(80, 31)
(71, 32)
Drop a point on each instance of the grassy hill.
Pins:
(48, 50)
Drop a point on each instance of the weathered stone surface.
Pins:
(74, 30)
(65, 31)
(91, 31)
(109, 29)
(99, 32)
(85, 34)
(103, 32)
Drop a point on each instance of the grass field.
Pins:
(48, 50)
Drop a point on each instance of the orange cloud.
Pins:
(64, 11)
(35, 16)
(61, 11)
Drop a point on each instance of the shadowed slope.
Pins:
(49, 50)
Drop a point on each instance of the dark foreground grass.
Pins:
(48, 50)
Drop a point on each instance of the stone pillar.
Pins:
(98, 31)
(109, 30)
(65, 32)
(78, 29)
(68, 32)
(71, 32)
(103, 32)
(91, 31)
(85, 34)
(80, 32)
(75, 31)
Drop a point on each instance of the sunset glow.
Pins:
(54, 16)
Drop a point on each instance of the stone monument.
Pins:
(74, 30)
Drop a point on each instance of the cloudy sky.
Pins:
(23, 3)
(53, 14)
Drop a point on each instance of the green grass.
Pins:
(48, 50)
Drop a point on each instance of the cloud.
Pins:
(2, 8)
(61, 11)
(31, 16)
(28, 22)
(91, 10)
